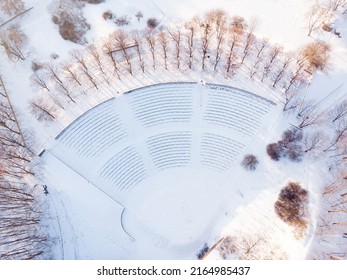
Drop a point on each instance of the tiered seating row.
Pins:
(218, 152)
(95, 131)
(169, 150)
(235, 109)
(162, 104)
(124, 170)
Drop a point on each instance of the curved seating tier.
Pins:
(162, 104)
(124, 170)
(219, 152)
(170, 149)
(235, 109)
(94, 131)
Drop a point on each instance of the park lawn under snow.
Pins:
(170, 216)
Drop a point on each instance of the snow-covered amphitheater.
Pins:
(163, 158)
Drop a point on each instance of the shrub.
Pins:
(35, 66)
(121, 21)
(139, 15)
(250, 162)
(72, 25)
(152, 23)
(294, 152)
(107, 15)
(292, 135)
(289, 146)
(55, 19)
(317, 55)
(291, 205)
(203, 251)
(275, 151)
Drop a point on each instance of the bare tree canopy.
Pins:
(12, 7)
(13, 40)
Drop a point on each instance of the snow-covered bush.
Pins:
(68, 15)
(121, 21)
(289, 146)
(139, 15)
(107, 15)
(275, 151)
(35, 66)
(152, 23)
(292, 135)
(250, 162)
(291, 205)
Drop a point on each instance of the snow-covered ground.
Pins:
(169, 207)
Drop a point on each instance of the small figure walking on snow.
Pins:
(202, 82)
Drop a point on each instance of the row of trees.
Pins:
(20, 235)
(214, 43)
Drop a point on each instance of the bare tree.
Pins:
(192, 27)
(205, 37)
(137, 37)
(176, 36)
(218, 18)
(108, 49)
(122, 43)
(97, 59)
(297, 76)
(151, 42)
(164, 43)
(40, 81)
(54, 74)
(10, 114)
(315, 17)
(42, 110)
(261, 46)
(309, 115)
(334, 5)
(81, 61)
(291, 100)
(340, 135)
(339, 111)
(273, 55)
(314, 141)
(220, 38)
(234, 41)
(19, 223)
(12, 7)
(71, 74)
(285, 64)
(13, 40)
(250, 39)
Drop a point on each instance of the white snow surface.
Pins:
(171, 212)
